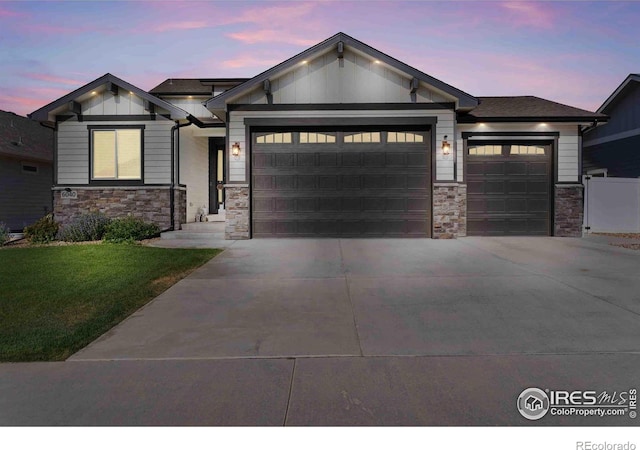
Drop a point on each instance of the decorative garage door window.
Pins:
(526, 150)
(362, 138)
(485, 150)
(402, 137)
(275, 138)
(317, 138)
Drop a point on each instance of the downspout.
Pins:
(54, 164)
(175, 154)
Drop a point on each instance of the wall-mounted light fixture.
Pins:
(446, 147)
(235, 149)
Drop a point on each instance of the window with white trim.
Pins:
(116, 154)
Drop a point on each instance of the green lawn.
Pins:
(56, 300)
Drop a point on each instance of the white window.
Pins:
(486, 150)
(274, 138)
(362, 138)
(116, 154)
(526, 150)
(317, 138)
(402, 137)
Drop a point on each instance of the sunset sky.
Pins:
(573, 52)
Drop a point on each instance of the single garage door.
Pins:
(341, 183)
(508, 189)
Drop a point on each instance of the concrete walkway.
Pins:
(356, 332)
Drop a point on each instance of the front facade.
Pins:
(340, 140)
(26, 167)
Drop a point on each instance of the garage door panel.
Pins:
(263, 182)
(327, 159)
(284, 182)
(509, 194)
(418, 182)
(396, 159)
(417, 159)
(307, 182)
(284, 204)
(351, 159)
(374, 159)
(351, 182)
(264, 205)
(284, 160)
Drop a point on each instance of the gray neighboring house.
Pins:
(26, 170)
(614, 148)
(338, 140)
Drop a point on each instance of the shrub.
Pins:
(4, 233)
(85, 227)
(43, 231)
(129, 229)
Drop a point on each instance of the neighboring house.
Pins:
(614, 148)
(26, 170)
(339, 140)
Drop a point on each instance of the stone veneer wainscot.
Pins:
(569, 208)
(236, 205)
(449, 210)
(151, 204)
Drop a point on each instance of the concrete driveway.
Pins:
(378, 297)
(356, 332)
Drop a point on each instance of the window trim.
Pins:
(115, 181)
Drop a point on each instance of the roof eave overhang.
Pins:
(568, 119)
(632, 77)
(44, 114)
(218, 103)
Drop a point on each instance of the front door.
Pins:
(216, 174)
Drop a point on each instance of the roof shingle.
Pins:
(24, 138)
(526, 108)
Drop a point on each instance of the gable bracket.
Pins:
(75, 107)
(415, 84)
(266, 86)
(340, 50)
(113, 88)
(148, 106)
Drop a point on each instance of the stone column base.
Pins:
(568, 210)
(236, 205)
(449, 210)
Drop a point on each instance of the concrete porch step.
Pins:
(203, 227)
(220, 217)
(192, 235)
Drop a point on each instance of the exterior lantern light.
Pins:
(235, 149)
(446, 147)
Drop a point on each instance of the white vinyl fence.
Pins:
(611, 204)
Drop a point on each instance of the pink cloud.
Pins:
(249, 61)
(529, 14)
(52, 79)
(21, 105)
(9, 13)
(267, 35)
(186, 25)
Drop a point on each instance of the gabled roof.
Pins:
(620, 90)
(24, 138)
(464, 100)
(43, 113)
(526, 109)
(193, 86)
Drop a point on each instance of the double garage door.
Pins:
(341, 183)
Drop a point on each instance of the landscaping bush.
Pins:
(4, 234)
(85, 227)
(43, 231)
(129, 229)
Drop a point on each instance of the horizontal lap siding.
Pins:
(73, 150)
(237, 165)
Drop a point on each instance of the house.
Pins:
(339, 140)
(26, 171)
(613, 149)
